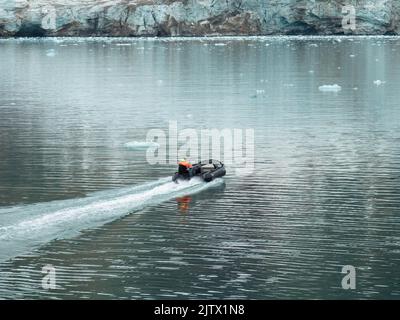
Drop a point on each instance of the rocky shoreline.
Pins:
(21, 18)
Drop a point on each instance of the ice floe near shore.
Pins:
(330, 88)
(379, 82)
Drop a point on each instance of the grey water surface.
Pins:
(324, 193)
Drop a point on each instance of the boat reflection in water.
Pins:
(184, 203)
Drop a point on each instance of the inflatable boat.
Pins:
(207, 170)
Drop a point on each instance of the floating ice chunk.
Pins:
(141, 144)
(260, 91)
(379, 82)
(310, 71)
(330, 88)
(352, 55)
(50, 53)
(219, 44)
(355, 88)
(313, 45)
(123, 44)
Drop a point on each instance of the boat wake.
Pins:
(23, 228)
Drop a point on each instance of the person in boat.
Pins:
(185, 168)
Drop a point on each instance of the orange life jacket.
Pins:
(185, 164)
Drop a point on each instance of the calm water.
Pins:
(324, 194)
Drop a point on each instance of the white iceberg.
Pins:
(379, 82)
(50, 53)
(141, 144)
(330, 88)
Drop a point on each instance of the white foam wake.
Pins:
(24, 227)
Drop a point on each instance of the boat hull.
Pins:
(201, 170)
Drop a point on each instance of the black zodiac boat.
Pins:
(207, 170)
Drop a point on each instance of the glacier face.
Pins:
(196, 17)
